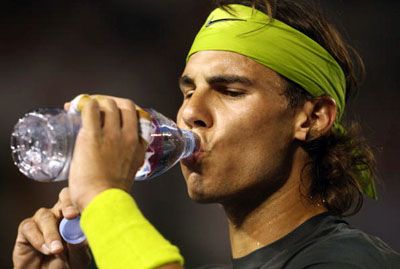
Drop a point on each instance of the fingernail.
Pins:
(55, 246)
(45, 249)
(84, 98)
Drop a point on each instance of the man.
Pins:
(266, 100)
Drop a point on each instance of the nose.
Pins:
(195, 112)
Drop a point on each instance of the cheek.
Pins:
(257, 144)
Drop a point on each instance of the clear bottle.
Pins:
(43, 140)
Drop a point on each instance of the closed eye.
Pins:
(231, 92)
(187, 94)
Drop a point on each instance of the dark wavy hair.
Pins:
(336, 157)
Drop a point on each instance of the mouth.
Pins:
(193, 162)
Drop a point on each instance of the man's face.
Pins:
(237, 108)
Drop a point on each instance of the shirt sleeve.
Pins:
(121, 237)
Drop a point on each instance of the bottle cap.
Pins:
(71, 231)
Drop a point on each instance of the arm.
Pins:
(121, 237)
(108, 152)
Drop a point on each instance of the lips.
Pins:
(193, 161)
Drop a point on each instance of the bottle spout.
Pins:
(192, 143)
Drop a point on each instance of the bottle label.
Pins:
(147, 128)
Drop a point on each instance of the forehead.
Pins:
(211, 63)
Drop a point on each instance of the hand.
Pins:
(39, 244)
(108, 150)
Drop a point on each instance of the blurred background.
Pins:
(50, 51)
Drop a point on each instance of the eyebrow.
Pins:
(229, 79)
(186, 81)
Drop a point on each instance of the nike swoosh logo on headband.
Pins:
(210, 22)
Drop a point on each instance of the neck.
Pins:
(257, 222)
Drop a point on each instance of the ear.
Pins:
(315, 118)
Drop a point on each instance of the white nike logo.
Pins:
(211, 21)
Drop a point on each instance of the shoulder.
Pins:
(346, 248)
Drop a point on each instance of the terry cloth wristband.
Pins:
(121, 237)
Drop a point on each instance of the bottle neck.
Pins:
(192, 143)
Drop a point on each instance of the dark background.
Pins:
(51, 51)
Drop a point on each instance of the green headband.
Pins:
(285, 50)
(276, 45)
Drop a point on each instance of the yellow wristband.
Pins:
(121, 237)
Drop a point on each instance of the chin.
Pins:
(203, 189)
(200, 194)
(203, 198)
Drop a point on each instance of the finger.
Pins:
(130, 126)
(56, 210)
(131, 134)
(112, 118)
(129, 114)
(47, 223)
(66, 206)
(81, 99)
(30, 234)
(129, 117)
(67, 106)
(91, 120)
(120, 101)
(122, 104)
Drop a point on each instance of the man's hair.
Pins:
(335, 157)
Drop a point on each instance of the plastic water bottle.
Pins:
(43, 140)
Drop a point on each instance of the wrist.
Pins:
(82, 199)
(84, 191)
(118, 234)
